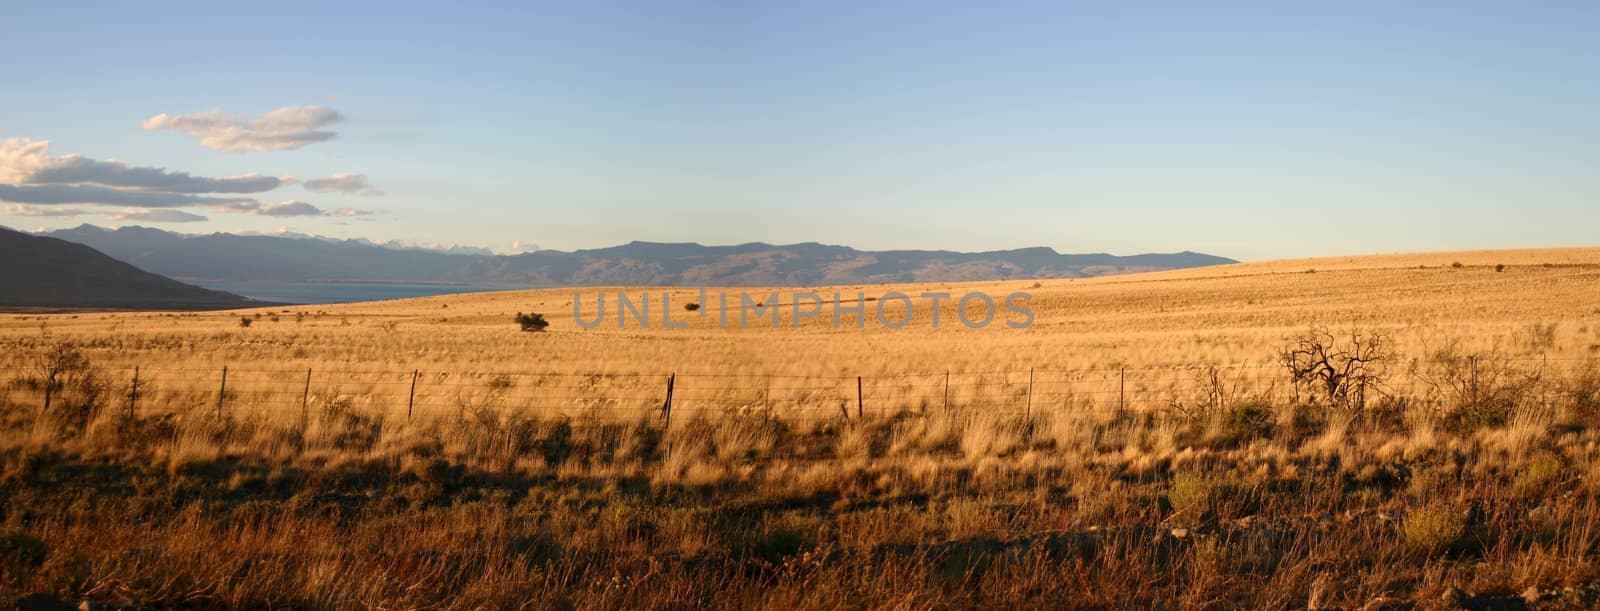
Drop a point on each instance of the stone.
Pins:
(1532, 594)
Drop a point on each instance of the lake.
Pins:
(337, 292)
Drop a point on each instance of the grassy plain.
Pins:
(1138, 446)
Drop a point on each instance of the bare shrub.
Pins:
(1338, 370)
(71, 387)
(1582, 393)
(1480, 391)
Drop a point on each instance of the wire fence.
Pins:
(419, 393)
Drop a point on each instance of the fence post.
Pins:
(666, 406)
(945, 405)
(1122, 390)
(859, 399)
(411, 399)
(1474, 383)
(222, 391)
(1030, 393)
(305, 402)
(133, 394)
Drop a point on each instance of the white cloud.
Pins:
(27, 161)
(343, 183)
(26, 210)
(352, 212)
(520, 246)
(283, 129)
(156, 216)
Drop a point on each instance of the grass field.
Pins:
(1142, 444)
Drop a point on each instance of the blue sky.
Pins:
(1251, 130)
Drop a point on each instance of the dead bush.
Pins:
(1338, 370)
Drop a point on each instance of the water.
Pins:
(337, 292)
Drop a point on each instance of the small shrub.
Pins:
(532, 322)
(1538, 474)
(1433, 530)
(1456, 265)
(498, 384)
(691, 306)
(1488, 413)
(1499, 267)
(244, 322)
(1195, 496)
(1247, 421)
(1483, 391)
(1583, 396)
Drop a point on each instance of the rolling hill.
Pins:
(49, 273)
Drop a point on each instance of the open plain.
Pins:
(1386, 431)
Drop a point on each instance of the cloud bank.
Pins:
(26, 210)
(51, 195)
(29, 162)
(283, 129)
(38, 184)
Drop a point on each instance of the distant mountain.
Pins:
(223, 256)
(45, 272)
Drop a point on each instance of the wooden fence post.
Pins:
(860, 411)
(222, 391)
(1030, 393)
(666, 406)
(945, 405)
(411, 399)
(305, 402)
(1122, 390)
(133, 394)
(1473, 385)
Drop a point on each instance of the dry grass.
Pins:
(1459, 480)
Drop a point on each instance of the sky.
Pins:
(1257, 130)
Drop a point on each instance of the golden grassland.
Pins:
(1227, 314)
(1467, 476)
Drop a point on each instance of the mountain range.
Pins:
(229, 256)
(225, 256)
(47, 273)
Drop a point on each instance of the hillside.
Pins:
(223, 256)
(44, 272)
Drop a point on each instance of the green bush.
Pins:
(1433, 530)
(532, 322)
(1247, 421)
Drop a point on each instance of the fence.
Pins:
(418, 393)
